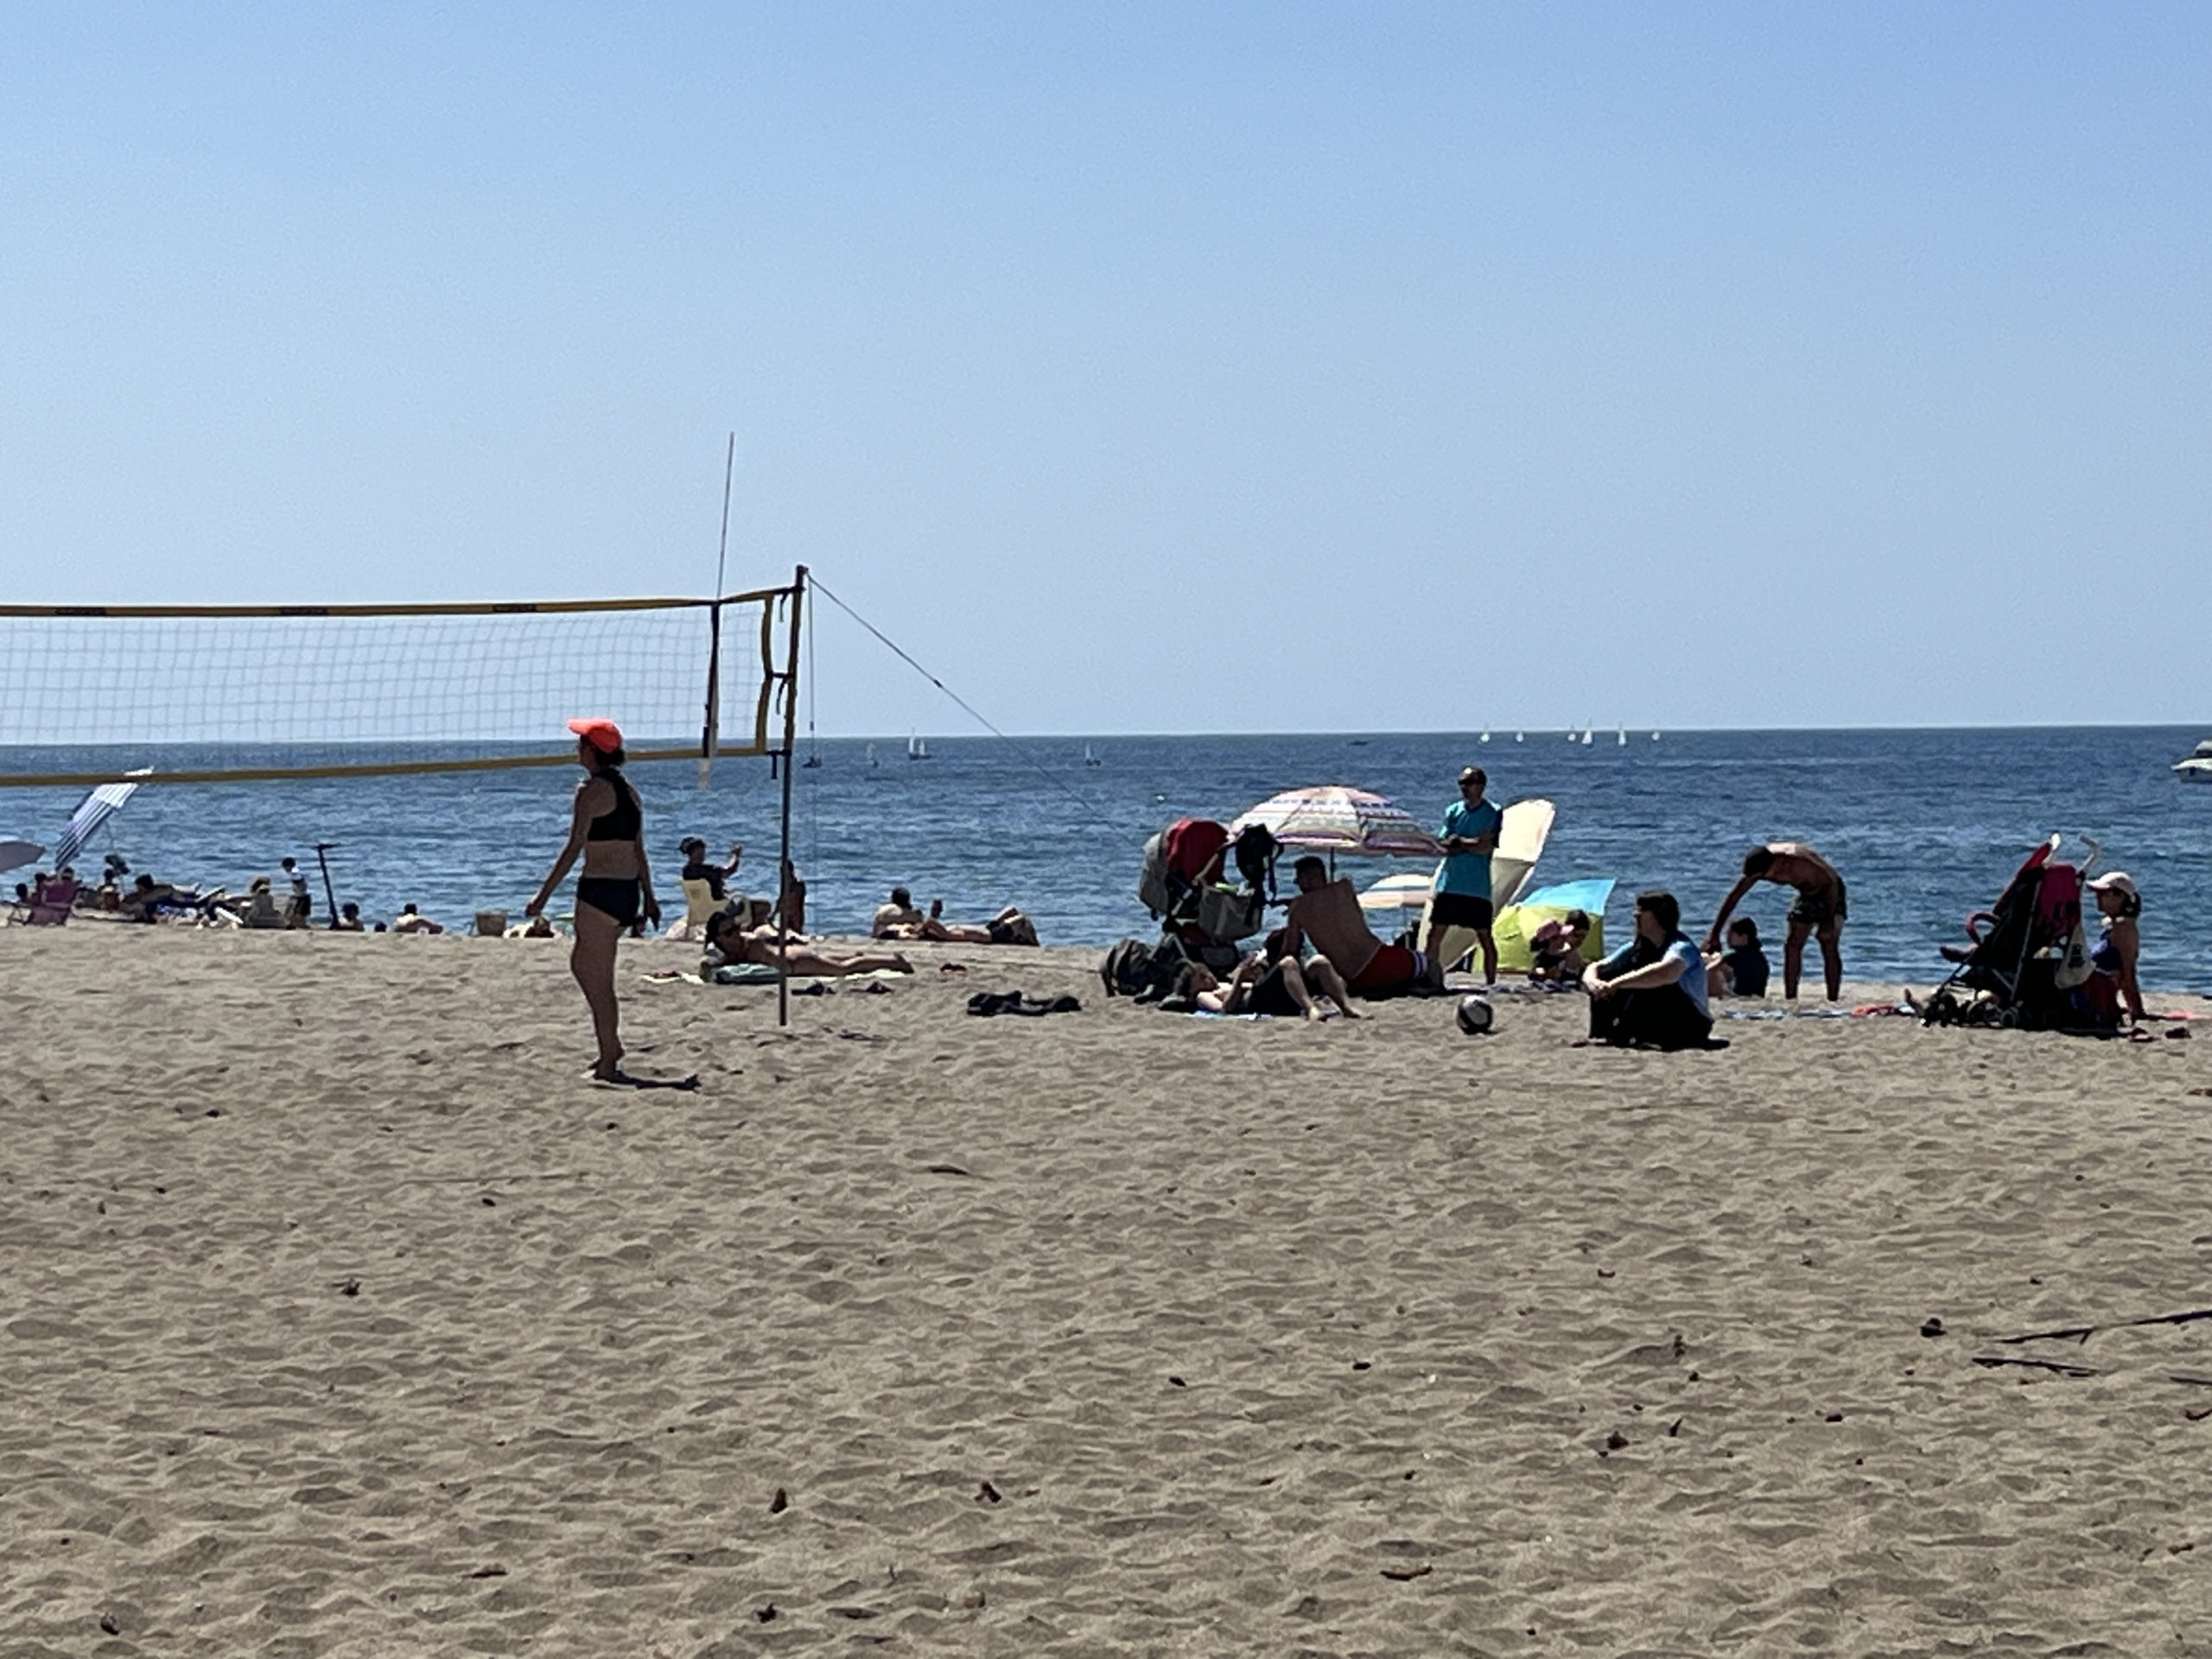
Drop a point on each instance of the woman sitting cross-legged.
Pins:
(1651, 991)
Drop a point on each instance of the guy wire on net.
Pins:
(972, 712)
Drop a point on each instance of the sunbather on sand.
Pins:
(727, 943)
(1328, 913)
(1280, 988)
(1009, 926)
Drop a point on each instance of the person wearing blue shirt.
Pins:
(1650, 993)
(1462, 897)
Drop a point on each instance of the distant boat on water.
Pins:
(1624, 737)
(1089, 759)
(2196, 765)
(1586, 736)
(871, 755)
(916, 749)
(812, 761)
(1484, 737)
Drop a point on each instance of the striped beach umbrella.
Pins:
(1347, 822)
(95, 809)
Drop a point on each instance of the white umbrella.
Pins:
(14, 855)
(1408, 891)
(95, 809)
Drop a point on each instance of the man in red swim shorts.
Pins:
(1328, 913)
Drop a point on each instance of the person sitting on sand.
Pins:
(1821, 908)
(1278, 988)
(2112, 985)
(1327, 914)
(729, 943)
(899, 913)
(349, 918)
(144, 899)
(1742, 969)
(790, 907)
(261, 909)
(409, 920)
(1555, 948)
(1650, 993)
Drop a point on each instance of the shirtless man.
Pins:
(1328, 913)
(1818, 911)
(899, 913)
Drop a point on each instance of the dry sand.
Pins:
(342, 1317)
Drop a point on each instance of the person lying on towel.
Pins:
(1328, 913)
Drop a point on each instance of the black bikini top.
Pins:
(622, 821)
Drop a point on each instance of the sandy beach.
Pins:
(343, 1318)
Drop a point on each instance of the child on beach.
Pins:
(1555, 948)
(1742, 969)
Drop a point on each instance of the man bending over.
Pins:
(1819, 910)
(1328, 913)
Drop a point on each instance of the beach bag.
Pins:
(1226, 915)
(1136, 969)
(2072, 966)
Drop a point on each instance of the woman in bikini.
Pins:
(616, 886)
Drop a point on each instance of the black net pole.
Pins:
(785, 876)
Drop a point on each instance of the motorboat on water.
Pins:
(2196, 765)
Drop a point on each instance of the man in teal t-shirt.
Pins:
(1462, 896)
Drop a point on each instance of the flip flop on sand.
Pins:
(625, 1080)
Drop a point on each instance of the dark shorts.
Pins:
(1391, 971)
(1821, 906)
(1001, 932)
(1270, 995)
(610, 897)
(1460, 910)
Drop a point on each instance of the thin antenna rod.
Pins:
(729, 472)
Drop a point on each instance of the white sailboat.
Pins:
(1586, 736)
(1624, 737)
(871, 754)
(916, 749)
(1484, 737)
(1089, 759)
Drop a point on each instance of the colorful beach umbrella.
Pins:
(1406, 891)
(1344, 822)
(95, 809)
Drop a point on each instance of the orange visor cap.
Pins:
(601, 734)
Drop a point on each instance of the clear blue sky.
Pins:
(1160, 368)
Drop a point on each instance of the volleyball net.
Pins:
(214, 693)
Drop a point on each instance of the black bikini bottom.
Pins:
(615, 898)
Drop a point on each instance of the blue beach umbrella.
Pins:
(95, 809)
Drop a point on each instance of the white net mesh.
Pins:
(307, 690)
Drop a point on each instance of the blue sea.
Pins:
(1925, 824)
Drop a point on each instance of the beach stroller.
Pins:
(1183, 884)
(2024, 955)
